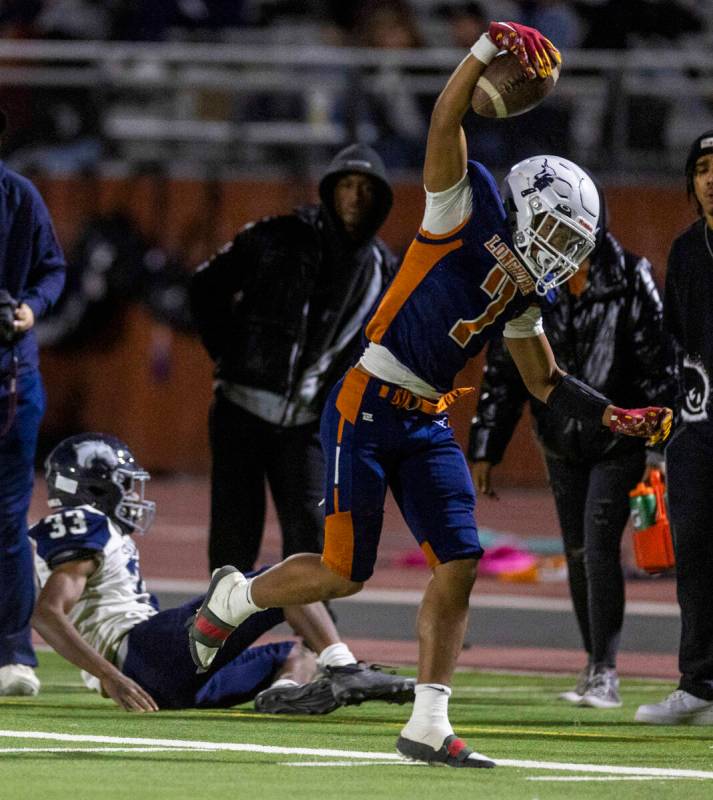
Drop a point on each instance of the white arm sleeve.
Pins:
(527, 324)
(446, 210)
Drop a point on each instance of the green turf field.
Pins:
(77, 745)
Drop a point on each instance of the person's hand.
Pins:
(535, 52)
(481, 479)
(652, 423)
(126, 693)
(24, 318)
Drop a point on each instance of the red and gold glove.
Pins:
(652, 423)
(535, 52)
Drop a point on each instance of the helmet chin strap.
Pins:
(545, 260)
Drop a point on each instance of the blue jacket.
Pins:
(32, 266)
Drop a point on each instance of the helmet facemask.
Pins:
(133, 509)
(552, 246)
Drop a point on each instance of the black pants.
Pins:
(689, 469)
(592, 502)
(247, 451)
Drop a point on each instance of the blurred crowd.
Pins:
(55, 127)
(372, 23)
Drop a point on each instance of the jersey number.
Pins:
(502, 289)
(77, 523)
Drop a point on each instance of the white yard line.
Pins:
(196, 745)
(95, 750)
(610, 769)
(369, 757)
(571, 778)
(394, 762)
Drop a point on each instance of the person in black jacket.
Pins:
(605, 327)
(689, 456)
(280, 311)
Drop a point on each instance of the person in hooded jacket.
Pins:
(280, 311)
(605, 328)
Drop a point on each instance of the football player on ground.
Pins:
(472, 273)
(94, 609)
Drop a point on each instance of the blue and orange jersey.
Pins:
(454, 291)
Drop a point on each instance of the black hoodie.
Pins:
(274, 301)
(360, 159)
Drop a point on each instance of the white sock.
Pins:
(249, 596)
(336, 655)
(429, 722)
(239, 604)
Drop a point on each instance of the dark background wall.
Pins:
(152, 385)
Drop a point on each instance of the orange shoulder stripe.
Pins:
(419, 260)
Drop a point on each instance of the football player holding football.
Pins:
(473, 272)
(93, 608)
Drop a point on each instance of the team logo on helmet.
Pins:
(545, 177)
(541, 180)
(88, 453)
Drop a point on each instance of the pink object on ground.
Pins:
(508, 560)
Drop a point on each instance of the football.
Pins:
(503, 89)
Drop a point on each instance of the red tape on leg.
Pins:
(212, 631)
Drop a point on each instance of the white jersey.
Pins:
(114, 599)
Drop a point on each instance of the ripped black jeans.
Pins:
(592, 500)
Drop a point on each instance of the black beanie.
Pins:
(702, 146)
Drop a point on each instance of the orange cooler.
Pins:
(653, 547)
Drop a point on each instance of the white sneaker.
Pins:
(18, 679)
(575, 695)
(679, 708)
(602, 690)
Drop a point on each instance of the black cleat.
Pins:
(355, 683)
(315, 697)
(454, 752)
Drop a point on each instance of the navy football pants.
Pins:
(159, 660)
(371, 445)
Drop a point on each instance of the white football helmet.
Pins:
(553, 209)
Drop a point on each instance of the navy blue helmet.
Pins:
(99, 470)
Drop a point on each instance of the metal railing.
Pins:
(227, 107)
